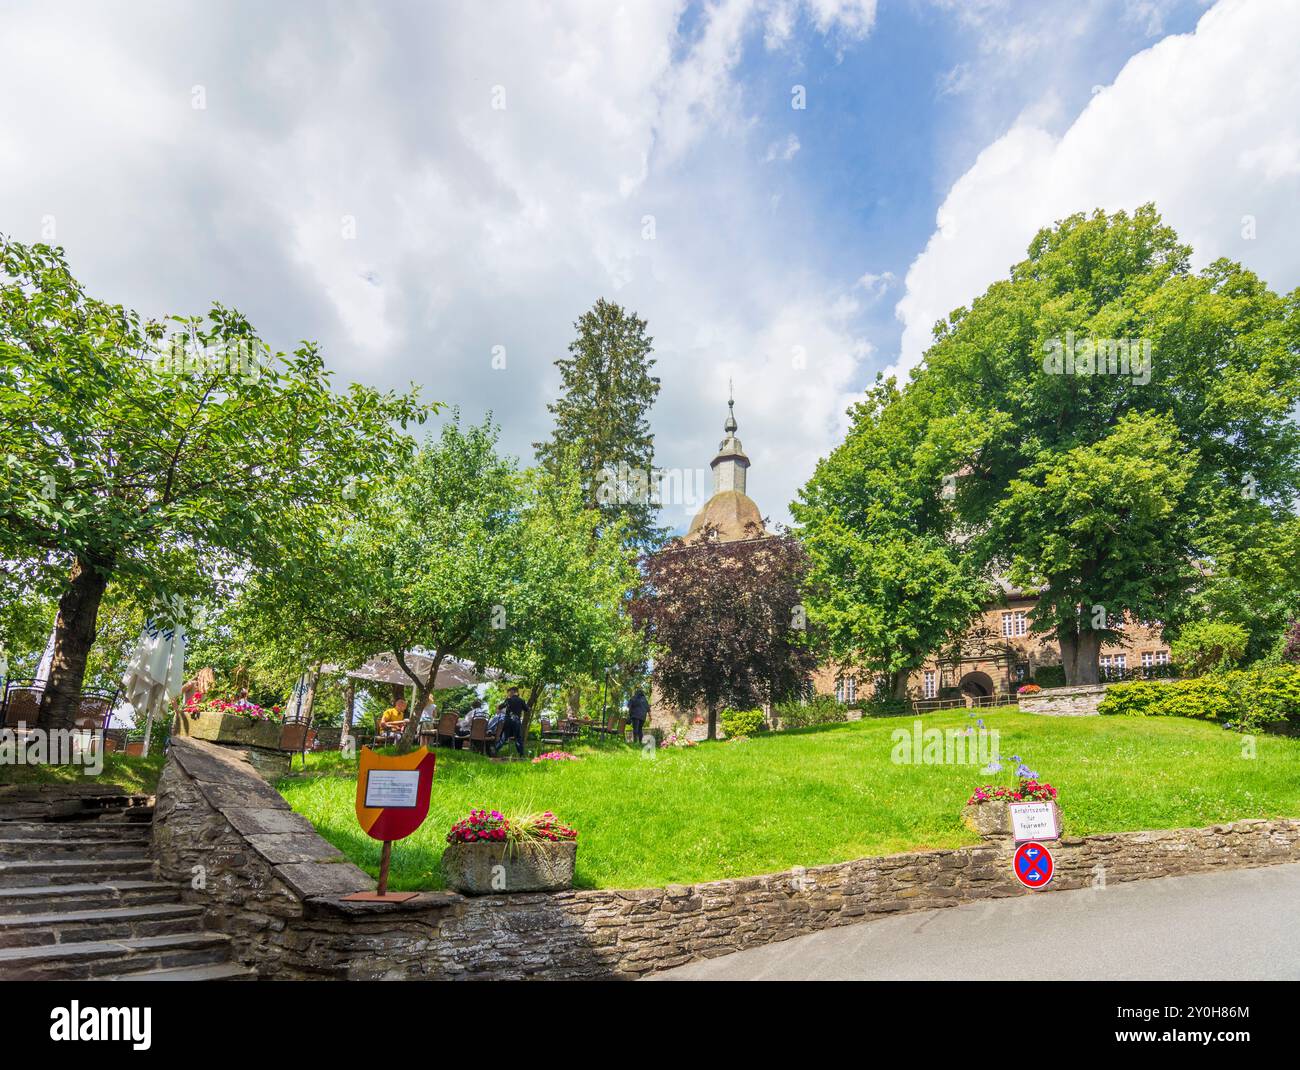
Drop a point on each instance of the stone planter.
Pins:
(493, 868)
(992, 819)
(230, 729)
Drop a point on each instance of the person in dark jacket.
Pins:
(638, 709)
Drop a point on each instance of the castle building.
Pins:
(994, 656)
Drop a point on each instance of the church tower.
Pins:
(730, 509)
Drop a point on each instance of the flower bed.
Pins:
(489, 853)
(556, 756)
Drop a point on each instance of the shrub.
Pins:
(1050, 676)
(886, 707)
(743, 722)
(1209, 646)
(1246, 700)
(820, 709)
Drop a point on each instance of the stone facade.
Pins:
(997, 654)
(274, 885)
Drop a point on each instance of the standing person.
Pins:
(638, 709)
(514, 709)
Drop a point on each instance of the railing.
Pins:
(926, 705)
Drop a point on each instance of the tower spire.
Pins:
(731, 425)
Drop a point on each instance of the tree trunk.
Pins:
(713, 722)
(74, 629)
(1079, 651)
(423, 689)
(349, 703)
(535, 694)
(898, 684)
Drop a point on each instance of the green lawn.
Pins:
(133, 773)
(812, 796)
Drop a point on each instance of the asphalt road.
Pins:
(1235, 925)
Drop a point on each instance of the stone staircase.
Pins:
(78, 898)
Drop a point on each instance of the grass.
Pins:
(132, 772)
(818, 795)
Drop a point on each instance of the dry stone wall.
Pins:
(274, 885)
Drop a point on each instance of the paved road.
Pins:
(1235, 925)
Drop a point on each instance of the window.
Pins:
(1022, 672)
(1006, 625)
(1162, 657)
(1147, 659)
(839, 690)
(1014, 623)
(929, 689)
(846, 689)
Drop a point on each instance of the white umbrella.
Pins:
(47, 660)
(156, 672)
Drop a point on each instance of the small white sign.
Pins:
(1034, 821)
(395, 789)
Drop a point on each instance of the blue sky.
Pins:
(421, 186)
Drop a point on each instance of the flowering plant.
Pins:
(492, 826)
(556, 756)
(1028, 689)
(677, 737)
(1028, 788)
(199, 703)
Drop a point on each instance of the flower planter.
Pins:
(230, 728)
(992, 819)
(493, 868)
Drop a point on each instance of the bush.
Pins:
(886, 707)
(743, 722)
(1209, 646)
(1246, 700)
(1049, 676)
(820, 709)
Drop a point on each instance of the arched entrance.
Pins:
(976, 684)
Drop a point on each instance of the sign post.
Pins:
(392, 802)
(1034, 821)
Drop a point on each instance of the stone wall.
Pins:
(1079, 701)
(274, 885)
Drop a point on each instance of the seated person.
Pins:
(393, 720)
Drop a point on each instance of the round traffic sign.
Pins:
(1033, 865)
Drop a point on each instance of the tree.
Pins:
(601, 419)
(1101, 376)
(1205, 646)
(164, 464)
(726, 622)
(886, 587)
(565, 606)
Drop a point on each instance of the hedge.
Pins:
(743, 722)
(1246, 700)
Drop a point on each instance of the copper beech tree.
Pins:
(726, 622)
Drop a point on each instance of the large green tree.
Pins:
(602, 421)
(887, 583)
(163, 463)
(1114, 423)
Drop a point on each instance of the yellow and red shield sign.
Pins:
(393, 792)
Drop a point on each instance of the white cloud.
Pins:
(350, 181)
(1206, 125)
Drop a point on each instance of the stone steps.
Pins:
(50, 898)
(97, 958)
(107, 831)
(73, 871)
(77, 896)
(110, 923)
(217, 971)
(131, 845)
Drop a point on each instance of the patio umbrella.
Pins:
(47, 660)
(155, 673)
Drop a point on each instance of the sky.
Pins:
(790, 192)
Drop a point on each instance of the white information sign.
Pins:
(1034, 821)
(396, 789)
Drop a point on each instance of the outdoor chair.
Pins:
(613, 730)
(478, 735)
(549, 731)
(94, 710)
(22, 703)
(447, 730)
